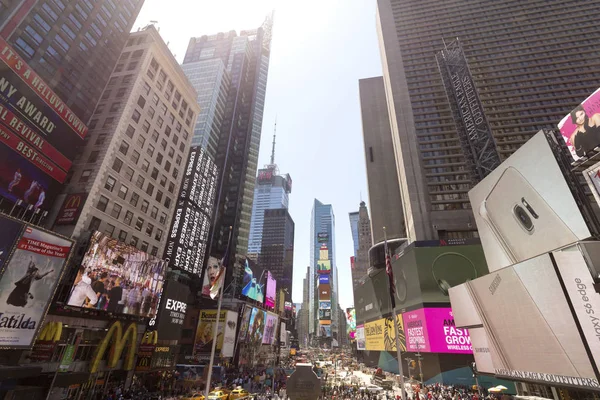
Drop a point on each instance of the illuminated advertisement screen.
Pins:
(432, 330)
(323, 279)
(325, 305)
(324, 266)
(360, 338)
(37, 128)
(325, 330)
(288, 305)
(245, 323)
(322, 237)
(324, 314)
(118, 278)
(271, 290)
(253, 283)
(256, 326)
(270, 329)
(351, 322)
(27, 284)
(581, 127)
(324, 292)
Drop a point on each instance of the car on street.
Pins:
(218, 395)
(194, 396)
(238, 393)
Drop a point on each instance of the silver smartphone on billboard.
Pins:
(523, 224)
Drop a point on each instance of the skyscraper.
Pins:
(354, 228)
(270, 192)
(130, 171)
(277, 253)
(528, 74)
(246, 57)
(385, 202)
(322, 232)
(361, 263)
(73, 45)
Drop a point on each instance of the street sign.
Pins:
(303, 384)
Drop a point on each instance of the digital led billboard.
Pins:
(323, 279)
(324, 266)
(433, 330)
(581, 127)
(360, 338)
(253, 282)
(118, 278)
(324, 292)
(173, 307)
(270, 329)
(271, 290)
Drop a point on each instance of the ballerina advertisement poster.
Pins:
(28, 283)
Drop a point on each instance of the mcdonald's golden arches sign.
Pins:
(71, 208)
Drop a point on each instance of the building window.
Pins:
(140, 181)
(128, 217)
(146, 88)
(178, 160)
(158, 235)
(139, 224)
(116, 211)
(146, 126)
(160, 122)
(159, 158)
(155, 136)
(171, 187)
(145, 165)
(151, 112)
(154, 212)
(134, 199)
(134, 241)
(149, 229)
(163, 218)
(141, 101)
(135, 156)
(145, 205)
(109, 230)
(123, 236)
(168, 202)
(163, 180)
(136, 116)
(154, 251)
(120, 93)
(154, 174)
(159, 196)
(93, 157)
(94, 224)
(150, 189)
(141, 141)
(144, 246)
(101, 138)
(108, 122)
(115, 107)
(129, 173)
(124, 148)
(117, 165)
(110, 183)
(85, 175)
(123, 191)
(102, 203)
(175, 172)
(130, 131)
(150, 150)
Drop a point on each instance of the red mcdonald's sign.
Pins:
(71, 208)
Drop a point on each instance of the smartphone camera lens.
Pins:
(523, 217)
(529, 208)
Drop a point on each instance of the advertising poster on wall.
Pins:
(380, 334)
(360, 338)
(256, 327)
(374, 335)
(415, 328)
(324, 266)
(325, 305)
(325, 330)
(581, 127)
(525, 208)
(229, 336)
(253, 282)
(324, 314)
(27, 285)
(9, 234)
(270, 329)
(556, 354)
(118, 278)
(271, 290)
(214, 267)
(245, 323)
(351, 322)
(205, 329)
(324, 280)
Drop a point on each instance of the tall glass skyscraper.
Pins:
(322, 231)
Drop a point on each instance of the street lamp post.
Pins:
(420, 366)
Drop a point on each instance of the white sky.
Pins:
(320, 49)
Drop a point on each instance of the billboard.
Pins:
(205, 330)
(288, 306)
(326, 305)
(324, 266)
(28, 283)
(360, 338)
(513, 302)
(270, 329)
(118, 278)
(324, 292)
(380, 336)
(37, 127)
(351, 322)
(173, 307)
(325, 331)
(323, 279)
(271, 290)
(581, 127)
(256, 326)
(70, 209)
(253, 282)
(433, 330)
(190, 226)
(213, 269)
(323, 252)
(230, 327)
(524, 207)
(245, 323)
(324, 314)
(322, 237)
(9, 234)
(265, 175)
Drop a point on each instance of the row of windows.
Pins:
(110, 230)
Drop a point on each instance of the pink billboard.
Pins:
(270, 329)
(271, 289)
(432, 330)
(581, 127)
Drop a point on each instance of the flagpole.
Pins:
(398, 348)
(218, 318)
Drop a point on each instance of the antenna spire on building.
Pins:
(273, 150)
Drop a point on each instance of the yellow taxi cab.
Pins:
(238, 393)
(220, 394)
(194, 396)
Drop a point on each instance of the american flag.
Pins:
(390, 274)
